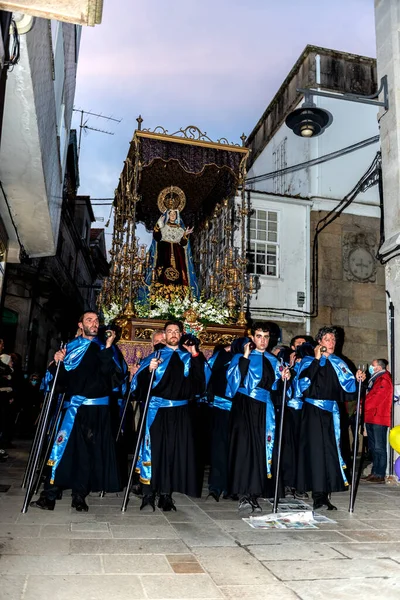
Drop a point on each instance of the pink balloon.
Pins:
(397, 467)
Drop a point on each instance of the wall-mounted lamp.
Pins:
(310, 121)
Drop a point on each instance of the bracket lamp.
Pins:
(309, 121)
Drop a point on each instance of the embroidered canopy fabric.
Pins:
(206, 172)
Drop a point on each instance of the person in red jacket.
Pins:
(377, 417)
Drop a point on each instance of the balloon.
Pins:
(394, 438)
(397, 467)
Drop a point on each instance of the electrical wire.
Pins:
(315, 161)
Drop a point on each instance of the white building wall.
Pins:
(38, 111)
(280, 292)
(333, 179)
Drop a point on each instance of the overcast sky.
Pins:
(212, 63)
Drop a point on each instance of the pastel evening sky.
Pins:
(212, 63)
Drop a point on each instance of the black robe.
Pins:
(173, 456)
(318, 461)
(218, 476)
(247, 469)
(89, 461)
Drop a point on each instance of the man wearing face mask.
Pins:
(322, 382)
(377, 417)
(251, 377)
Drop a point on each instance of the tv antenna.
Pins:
(83, 126)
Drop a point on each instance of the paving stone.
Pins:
(56, 517)
(65, 531)
(36, 546)
(178, 586)
(202, 534)
(347, 589)
(336, 569)
(368, 550)
(275, 536)
(28, 564)
(223, 515)
(177, 558)
(187, 514)
(93, 526)
(293, 552)
(127, 546)
(12, 586)
(136, 563)
(143, 531)
(189, 567)
(385, 524)
(257, 592)
(233, 566)
(19, 531)
(87, 587)
(373, 535)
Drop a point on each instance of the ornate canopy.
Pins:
(206, 171)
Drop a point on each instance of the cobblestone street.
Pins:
(204, 550)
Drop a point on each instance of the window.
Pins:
(263, 253)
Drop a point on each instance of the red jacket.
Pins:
(378, 401)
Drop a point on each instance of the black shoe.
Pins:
(254, 504)
(301, 495)
(233, 497)
(3, 455)
(289, 492)
(166, 503)
(323, 503)
(137, 490)
(148, 500)
(79, 504)
(213, 494)
(43, 503)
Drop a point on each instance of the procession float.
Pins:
(188, 192)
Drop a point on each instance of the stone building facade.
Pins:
(286, 204)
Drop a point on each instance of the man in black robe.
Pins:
(322, 382)
(251, 377)
(83, 456)
(167, 460)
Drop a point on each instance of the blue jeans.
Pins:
(377, 443)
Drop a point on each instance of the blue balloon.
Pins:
(397, 467)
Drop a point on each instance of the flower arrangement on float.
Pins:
(210, 310)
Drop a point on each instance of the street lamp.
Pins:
(309, 121)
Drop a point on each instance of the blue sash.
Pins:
(208, 365)
(253, 375)
(45, 383)
(332, 407)
(264, 396)
(222, 403)
(345, 377)
(76, 350)
(143, 466)
(295, 403)
(64, 433)
(165, 356)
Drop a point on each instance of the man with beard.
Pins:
(322, 381)
(83, 457)
(167, 461)
(251, 377)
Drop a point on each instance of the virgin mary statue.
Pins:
(171, 273)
